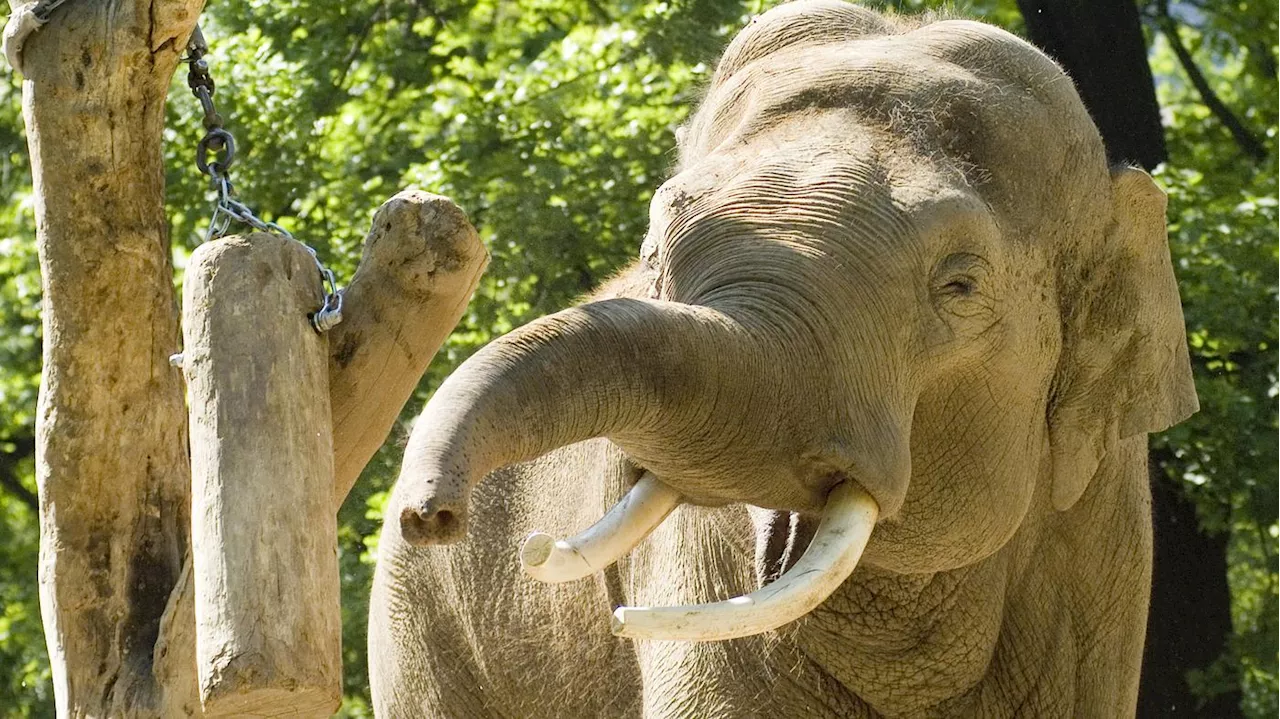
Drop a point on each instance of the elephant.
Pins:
(893, 344)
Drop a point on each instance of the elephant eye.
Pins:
(959, 285)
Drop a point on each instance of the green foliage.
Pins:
(551, 122)
(1223, 233)
(25, 682)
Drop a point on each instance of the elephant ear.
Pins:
(1124, 367)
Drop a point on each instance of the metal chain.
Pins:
(215, 154)
(44, 9)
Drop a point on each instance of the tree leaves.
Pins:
(1223, 233)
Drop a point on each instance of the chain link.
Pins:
(44, 9)
(215, 154)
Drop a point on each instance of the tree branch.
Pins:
(357, 46)
(602, 15)
(422, 260)
(1245, 139)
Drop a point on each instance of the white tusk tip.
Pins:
(536, 550)
(618, 622)
(547, 559)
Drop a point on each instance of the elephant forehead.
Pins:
(958, 90)
(815, 218)
(799, 184)
(817, 177)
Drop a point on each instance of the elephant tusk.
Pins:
(624, 526)
(846, 525)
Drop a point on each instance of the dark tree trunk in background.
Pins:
(1101, 45)
(1190, 608)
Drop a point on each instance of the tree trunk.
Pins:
(111, 432)
(1100, 43)
(1190, 617)
(112, 463)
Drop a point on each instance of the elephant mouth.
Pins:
(848, 517)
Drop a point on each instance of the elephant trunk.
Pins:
(639, 371)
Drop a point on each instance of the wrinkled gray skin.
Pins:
(892, 254)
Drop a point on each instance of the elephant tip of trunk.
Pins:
(430, 523)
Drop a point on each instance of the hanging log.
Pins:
(422, 260)
(265, 569)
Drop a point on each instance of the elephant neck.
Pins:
(938, 629)
(968, 640)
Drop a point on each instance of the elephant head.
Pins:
(893, 263)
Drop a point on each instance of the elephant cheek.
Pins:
(973, 483)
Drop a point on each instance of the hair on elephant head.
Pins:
(893, 260)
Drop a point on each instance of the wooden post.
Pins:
(268, 621)
(111, 436)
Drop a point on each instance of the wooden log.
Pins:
(264, 544)
(422, 260)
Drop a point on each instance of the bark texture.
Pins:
(264, 542)
(111, 430)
